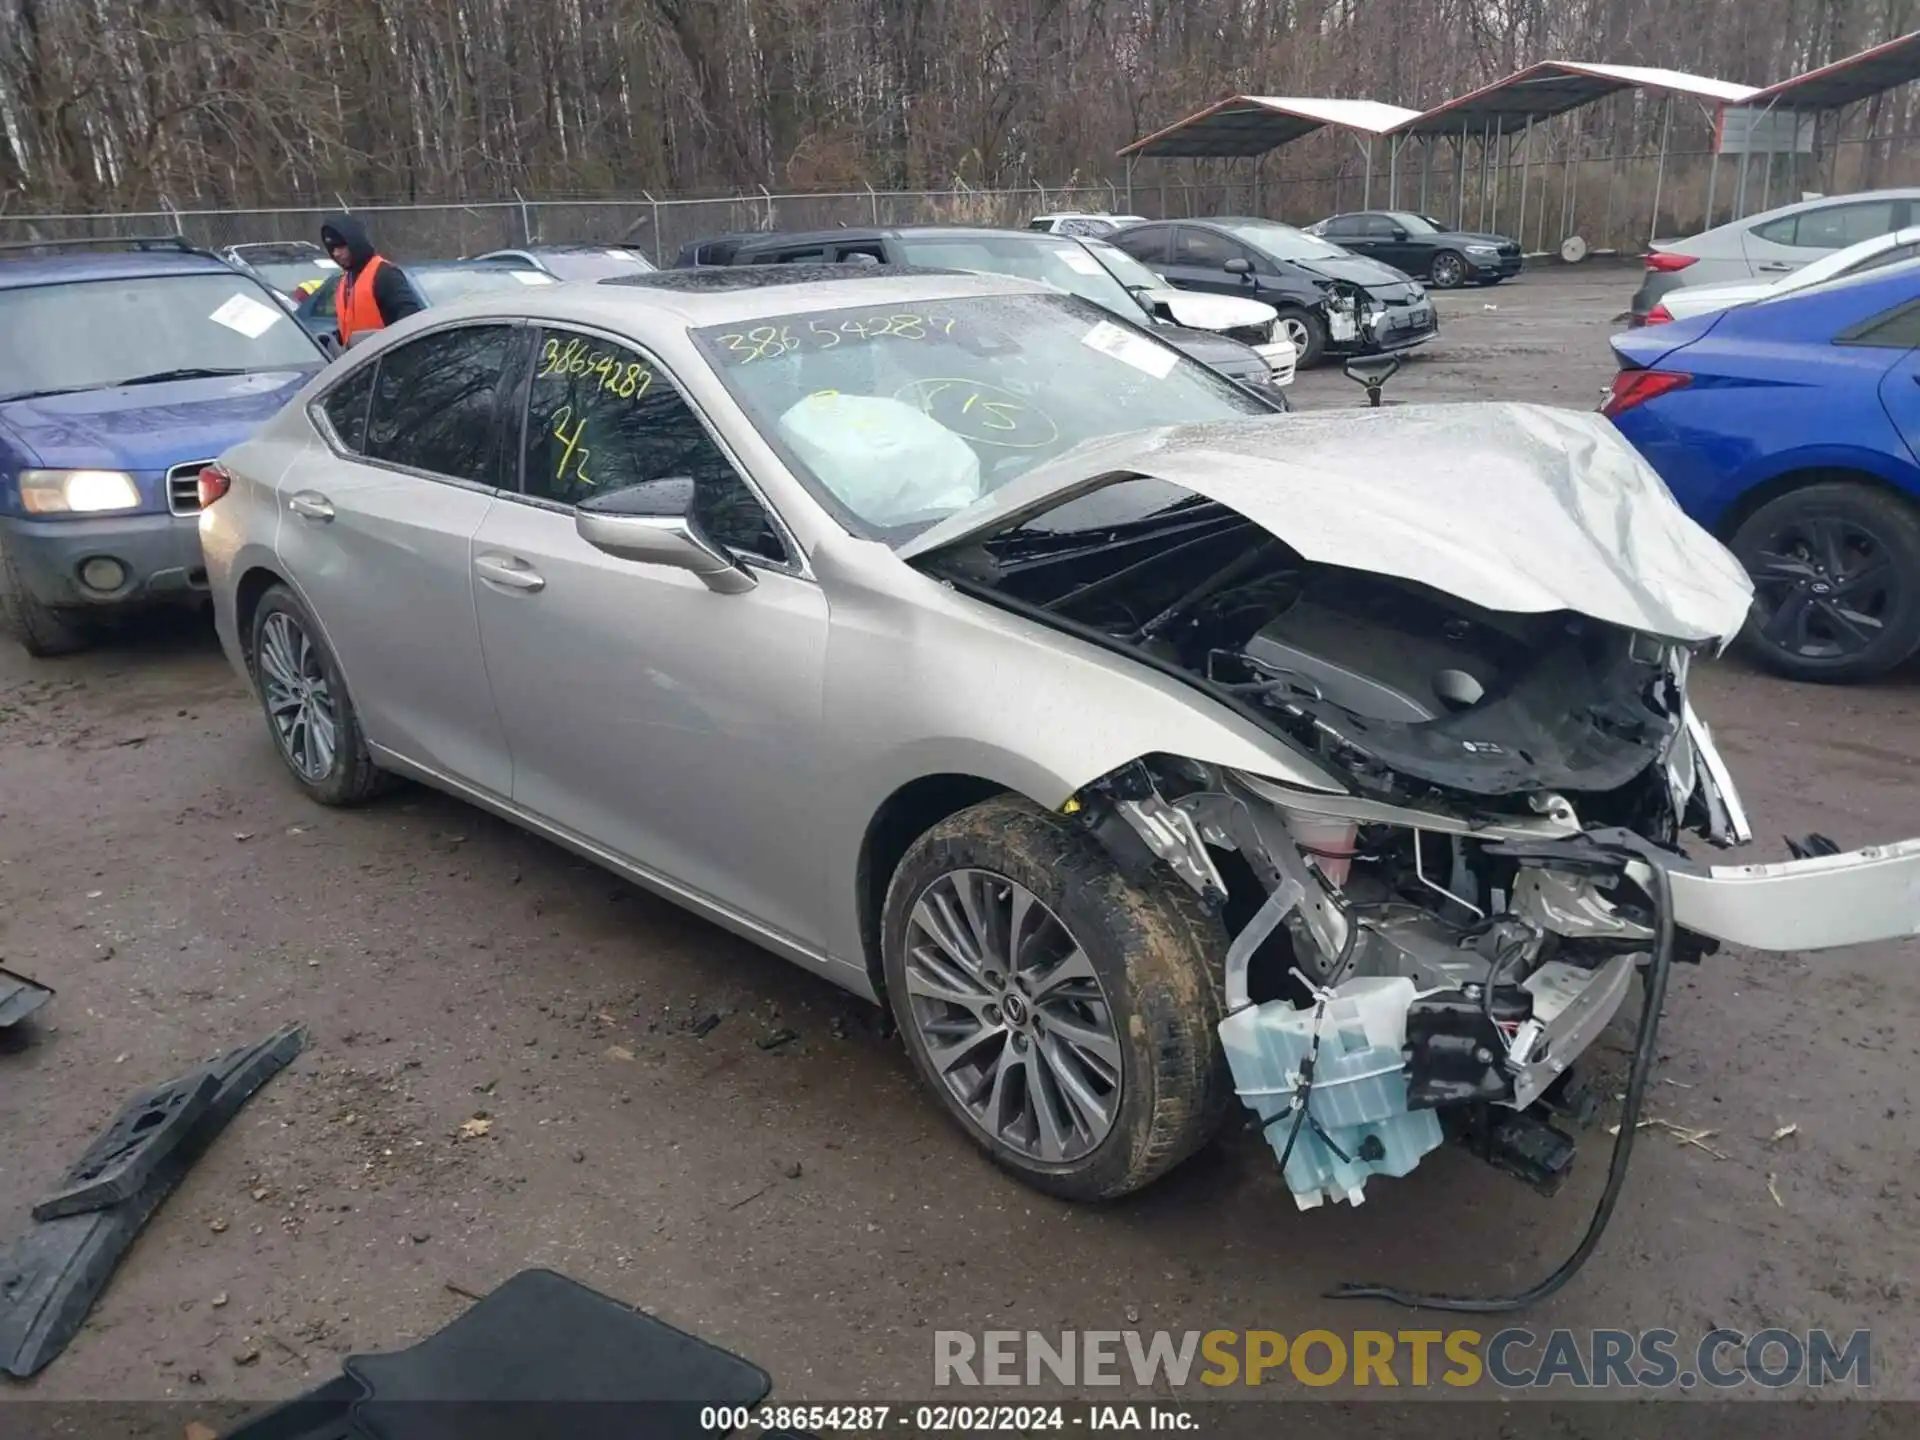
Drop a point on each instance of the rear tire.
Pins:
(1148, 985)
(309, 714)
(42, 631)
(1836, 572)
(1308, 334)
(1448, 271)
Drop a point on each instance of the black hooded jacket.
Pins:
(393, 292)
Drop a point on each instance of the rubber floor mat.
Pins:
(545, 1358)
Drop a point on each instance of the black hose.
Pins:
(1658, 967)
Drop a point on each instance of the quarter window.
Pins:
(602, 417)
(1895, 329)
(346, 408)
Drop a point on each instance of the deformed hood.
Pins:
(1519, 508)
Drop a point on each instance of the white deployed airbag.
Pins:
(883, 458)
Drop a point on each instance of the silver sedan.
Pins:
(994, 661)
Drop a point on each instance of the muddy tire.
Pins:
(42, 632)
(1149, 963)
(324, 749)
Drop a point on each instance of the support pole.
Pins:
(1426, 169)
(1570, 210)
(1393, 172)
(1660, 173)
(1483, 176)
(1526, 175)
(1460, 180)
(1130, 209)
(1713, 182)
(1366, 188)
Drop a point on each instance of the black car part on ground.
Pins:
(1622, 848)
(51, 1276)
(20, 997)
(540, 1358)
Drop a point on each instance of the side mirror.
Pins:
(1238, 266)
(654, 523)
(1399, 232)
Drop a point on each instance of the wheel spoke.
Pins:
(1861, 630)
(1075, 970)
(1830, 547)
(947, 1057)
(1872, 574)
(993, 1110)
(1021, 911)
(1096, 1041)
(1787, 626)
(934, 918)
(320, 726)
(926, 978)
(1092, 1111)
(1045, 1104)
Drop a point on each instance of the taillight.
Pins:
(1666, 260)
(1658, 315)
(214, 482)
(1637, 387)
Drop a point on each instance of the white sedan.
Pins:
(1888, 249)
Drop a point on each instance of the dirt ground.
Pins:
(803, 1204)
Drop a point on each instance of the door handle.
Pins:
(506, 570)
(311, 505)
(1776, 267)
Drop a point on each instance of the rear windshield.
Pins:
(89, 334)
(437, 287)
(594, 264)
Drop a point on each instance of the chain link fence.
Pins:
(1539, 196)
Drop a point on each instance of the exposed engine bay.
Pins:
(1428, 954)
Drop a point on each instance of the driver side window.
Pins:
(602, 416)
(1203, 249)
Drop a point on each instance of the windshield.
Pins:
(1282, 242)
(1124, 268)
(1057, 260)
(289, 275)
(89, 334)
(899, 417)
(438, 286)
(594, 264)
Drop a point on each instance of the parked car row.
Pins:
(1780, 401)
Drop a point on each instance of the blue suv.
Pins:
(123, 373)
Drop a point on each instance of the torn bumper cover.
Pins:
(1476, 624)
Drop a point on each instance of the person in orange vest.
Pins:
(373, 292)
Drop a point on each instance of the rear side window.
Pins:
(433, 402)
(1831, 227)
(1380, 227)
(1204, 249)
(1341, 225)
(1895, 329)
(1146, 243)
(345, 407)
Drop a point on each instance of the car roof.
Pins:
(1746, 222)
(722, 295)
(783, 239)
(19, 269)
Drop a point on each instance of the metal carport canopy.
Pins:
(1244, 125)
(1554, 87)
(1846, 82)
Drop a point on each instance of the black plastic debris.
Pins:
(1811, 845)
(540, 1358)
(20, 997)
(51, 1276)
(118, 1163)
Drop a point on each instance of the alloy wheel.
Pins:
(1295, 329)
(1012, 1016)
(1448, 271)
(298, 696)
(1823, 587)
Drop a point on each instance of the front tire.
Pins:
(1063, 1017)
(42, 631)
(311, 717)
(1836, 574)
(1448, 271)
(1308, 334)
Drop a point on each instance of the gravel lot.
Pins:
(803, 1204)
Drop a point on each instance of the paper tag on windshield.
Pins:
(532, 277)
(1078, 259)
(246, 315)
(1135, 350)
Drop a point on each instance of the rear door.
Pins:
(1779, 247)
(1898, 330)
(377, 534)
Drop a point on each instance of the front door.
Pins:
(677, 727)
(1199, 263)
(377, 534)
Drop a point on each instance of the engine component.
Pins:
(1329, 1085)
(1523, 1145)
(1457, 1045)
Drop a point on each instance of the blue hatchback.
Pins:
(1791, 428)
(121, 375)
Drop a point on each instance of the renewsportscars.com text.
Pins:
(1516, 1358)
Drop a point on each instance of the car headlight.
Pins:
(77, 492)
(1486, 251)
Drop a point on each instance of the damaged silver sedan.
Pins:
(1134, 745)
